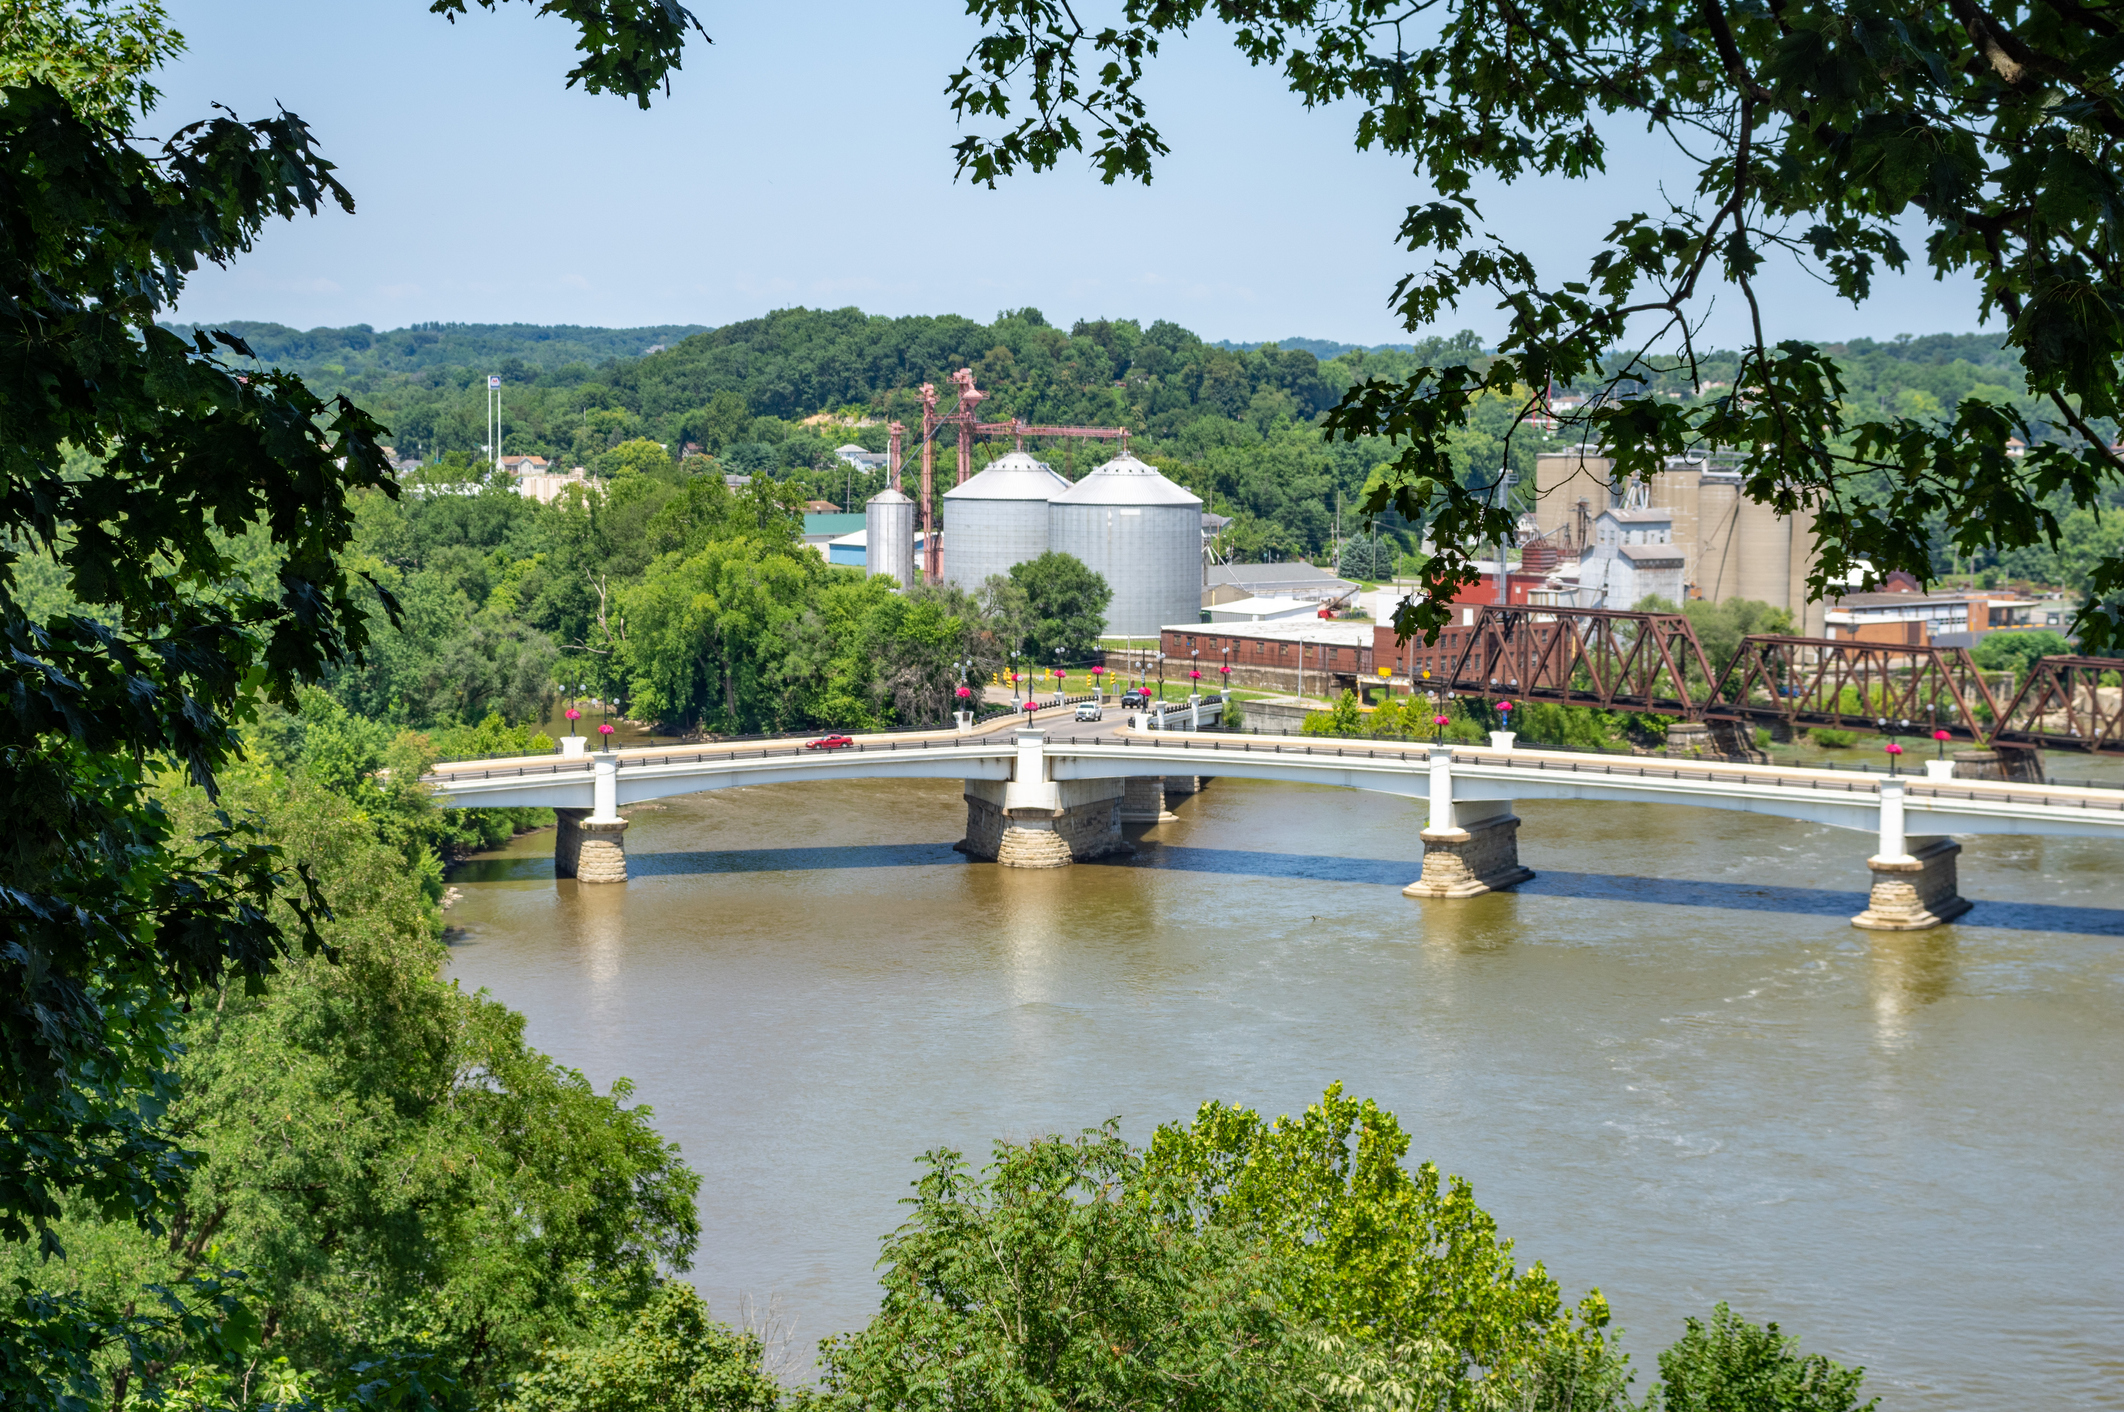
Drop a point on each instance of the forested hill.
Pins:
(516, 351)
(1236, 425)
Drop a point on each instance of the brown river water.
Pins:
(1669, 1065)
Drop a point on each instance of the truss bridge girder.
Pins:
(1600, 657)
(1842, 684)
(2068, 703)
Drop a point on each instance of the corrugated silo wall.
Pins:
(1716, 569)
(889, 536)
(1149, 555)
(1561, 479)
(985, 537)
(1766, 554)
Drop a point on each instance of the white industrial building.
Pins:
(1633, 556)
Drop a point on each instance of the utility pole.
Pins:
(1505, 480)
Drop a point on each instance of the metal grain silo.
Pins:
(997, 519)
(889, 536)
(1143, 535)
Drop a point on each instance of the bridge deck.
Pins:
(1839, 798)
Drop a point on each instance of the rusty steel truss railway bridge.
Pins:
(1653, 663)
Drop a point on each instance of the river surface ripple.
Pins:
(1669, 1065)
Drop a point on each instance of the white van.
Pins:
(1090, 711)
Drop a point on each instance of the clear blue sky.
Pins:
(804, 158)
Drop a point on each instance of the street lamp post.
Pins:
(1891, 729)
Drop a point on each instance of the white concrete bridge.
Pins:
(1039, 796)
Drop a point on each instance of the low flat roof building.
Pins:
(1917, 619)
(1307, 655)
(1292, 579)
(822, 529)
(1261, 610)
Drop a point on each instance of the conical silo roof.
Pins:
(1012, 476)
(1126, 481)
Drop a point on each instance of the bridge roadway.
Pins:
(1048, 793)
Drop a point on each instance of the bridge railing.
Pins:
(583, 764)
(1709, 771)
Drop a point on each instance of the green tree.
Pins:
(1818, 133)
(112, 920)
(1067, 603)
(1345, 718)
(1369, 558)
(1377, 1253)
(379, 1151)
(724, 421)
(707, 635)
(673, 1358)
(639, 457)
(1720, 626)
(1053, 1279)
(97, 53)
(1731, 1365)
(2018, 652)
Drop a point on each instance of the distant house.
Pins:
(1633, 557)
(862, 460)
(525, 465)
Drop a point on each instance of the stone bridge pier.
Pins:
(1469, 846)
(1914, 883)
(590, 845)
(1032, 821)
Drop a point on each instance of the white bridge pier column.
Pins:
(1468, 848)
(590, 845)
(1913, 878)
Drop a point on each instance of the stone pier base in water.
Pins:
(1481, 856)
(1087, 825)
(1144, 803)
(1914, 892)
(589, 850)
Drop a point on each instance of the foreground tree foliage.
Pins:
(1731, 1363)
(1057, 1278)
(1812, 129)
(1293, 1263)
(672, 1358)
(1378, 1254)
(132, 460)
